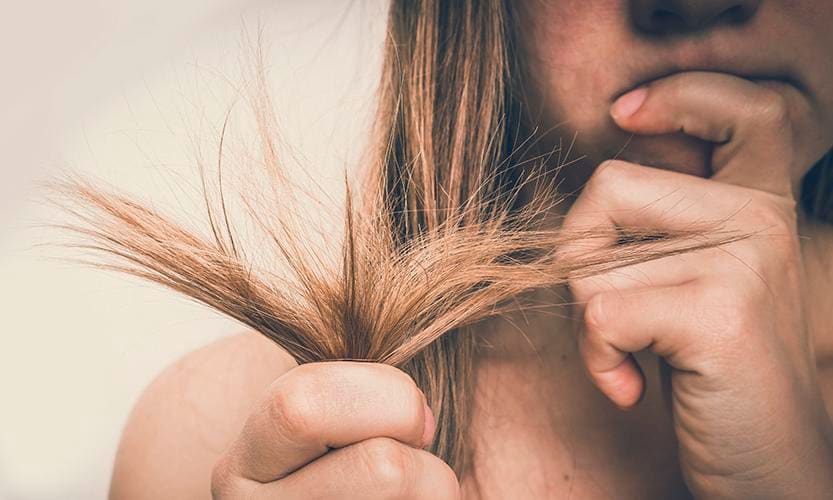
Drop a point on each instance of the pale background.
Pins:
(112, 89)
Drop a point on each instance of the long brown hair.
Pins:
(448, 231)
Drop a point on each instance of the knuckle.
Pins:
(389, 465)
(444, 480)
(414, 411)
(595, 314)
(583, 288)
(781, 219)
(607, 176)
(767, 209)
(774, 242)
(772, 223)
(291, 408)
(728, 320)
(399, 375)
(223, 482)
(220, 480)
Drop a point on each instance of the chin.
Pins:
(677, 152)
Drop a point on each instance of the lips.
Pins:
(774, 77)
(678, 151)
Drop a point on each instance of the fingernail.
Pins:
(430, 426)
(629, 103)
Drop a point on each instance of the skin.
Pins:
(581, 55)
(740, 330)
(738, 408)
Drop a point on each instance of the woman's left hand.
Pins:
(748, 411)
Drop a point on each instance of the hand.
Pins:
(337, 430)
(748, 411)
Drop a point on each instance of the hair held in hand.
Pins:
(448, 229)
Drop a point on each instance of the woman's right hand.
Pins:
(338, 429)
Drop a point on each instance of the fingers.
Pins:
(666, 271)
(374, 468)
(749, 122)
(651, 305)
(319, 406)
(623, 194)
(626, 194)
(618, 324)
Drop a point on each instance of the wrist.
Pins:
(801, 468)
(808, 473)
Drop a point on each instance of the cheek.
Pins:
(572, 48)
(571, 86)
(566, 96)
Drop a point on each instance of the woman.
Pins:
(703, 372)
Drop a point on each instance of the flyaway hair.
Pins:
(450, 226)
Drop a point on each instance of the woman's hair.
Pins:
(449, 229)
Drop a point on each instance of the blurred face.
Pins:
(582, 54)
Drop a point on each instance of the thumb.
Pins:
(749, 123)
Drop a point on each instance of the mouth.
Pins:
(774, 79)
(682, 153)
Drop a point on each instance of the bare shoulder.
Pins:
(189, 413)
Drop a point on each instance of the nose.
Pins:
(661, 17)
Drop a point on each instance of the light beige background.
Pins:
(113, 89)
